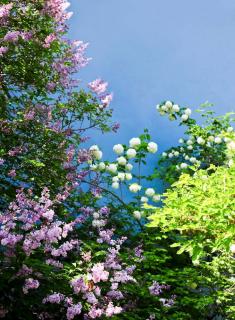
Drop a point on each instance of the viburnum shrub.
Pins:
(203, 144)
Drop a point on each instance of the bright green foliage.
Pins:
(199, 211)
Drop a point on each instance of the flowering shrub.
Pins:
(38, 248)
(202, 145)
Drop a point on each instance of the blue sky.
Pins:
(152, 50)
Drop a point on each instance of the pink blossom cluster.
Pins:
(99, 87)
(57, 10)
(5, 12)
(30, 284)
(89, 285)
(14, 36)
(31, 224)
(73, 60)
(49, 39)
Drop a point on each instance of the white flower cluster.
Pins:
(96, 153)
(172, 110)
(137, 214)
(193, 143)
(97, 221)
(150, 193)
(121, 169)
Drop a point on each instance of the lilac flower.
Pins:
(106, 100)
(30, 284)
(54, 298)
(98, 86)
(91, 298)
(98, 273)
(115, 127)
(12, 36)
(168, 302)
(115, 295)
(78, 285)
(24, 271)
(156, 289)
(55, 263)
(73, 311)
(49, 39)
(5, 10)
(3, 50)
(111, 310)
(95, 312)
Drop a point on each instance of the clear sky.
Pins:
(152, 50)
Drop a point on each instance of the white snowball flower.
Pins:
(193, 160)
(131, 153)
(96, 215)
(176, 108)
(226, 139)
(94, 167)
(134, 142)
(115, 179)
(122, 161)
(183, 165)
(188, 111)
(164, 154)
(232, 248)
(211, 139)
(182, 149)
(164, 108)
(149, 192)
(144, 199)
(156, 198)
(115, 185)
(168, 104)
(170, 155)
(231, 146)
(94, 148)
(121, 176)
(112, 167)
(176, 153)
(152, 147)
(200, 140)
(157, 107)
(186, 157)
(101, 166)
(181, 140)
(189, 142)
(137, 215)
(229, 129)
(184, 117)
(95, 223)
(97, 154)
(128, 176)
(135, 187)
(218, 140)
(129, 167)
(190, 147)
(118, 148)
